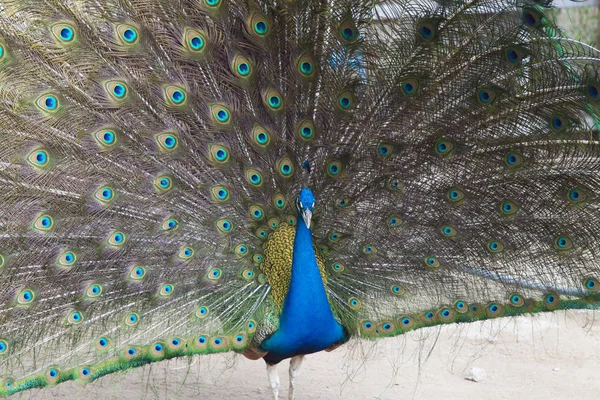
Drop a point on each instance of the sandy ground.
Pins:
(552, 356)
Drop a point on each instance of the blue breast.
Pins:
(306, 324)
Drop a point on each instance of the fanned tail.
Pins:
(151, 150)
(475, 179)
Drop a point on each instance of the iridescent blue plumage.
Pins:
(306, 323)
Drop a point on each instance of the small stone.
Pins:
(476, 375)
(556, 369)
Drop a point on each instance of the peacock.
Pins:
(278, 177)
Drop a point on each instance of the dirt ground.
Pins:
(552, 356)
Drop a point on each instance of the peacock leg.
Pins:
(273, 380)
(295, 365)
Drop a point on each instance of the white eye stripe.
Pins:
(301, 205)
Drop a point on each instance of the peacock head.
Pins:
(306, 204)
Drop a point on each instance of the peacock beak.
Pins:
(306, 216)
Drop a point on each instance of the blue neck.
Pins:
(306, 324)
